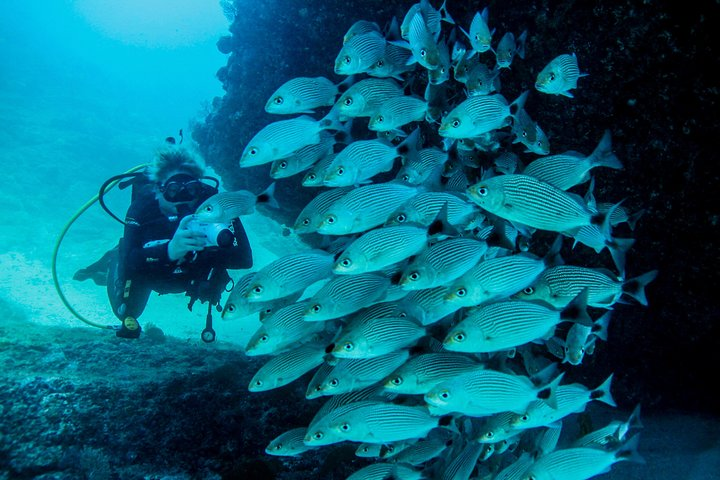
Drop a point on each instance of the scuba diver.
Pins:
(154, 254)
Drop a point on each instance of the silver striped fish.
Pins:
(485, 392)
(508, 47)
(559, 76)
(302, 95)
(573, 168)
(365, 97)
(397, 112)
(281, 330)
(431, 17)
(379, 471)
(374, 337)
(463, 463)
(613, 432)
(315, 210)
(223, 207)
(480, 35)
(289, 274)
(238, 306)
(442, 73)
(477, 115)
(344, 295)
(506, 325)
(580, 339)
(494, 279)
(558, 285)
(288, 444)
(529, 133)
(442, 263)
(424, 208)
(432, 446)
(364, 208)
(394, 63)
(287, 367)
(482, 81)
(526, 200)
(417, 168)
(375, 422)
(428, 305)
(316, 173)
(313, 389)
(302, 159)
(422, 372)
(360, 53)
(497, 428)
(355, 374)
(318, 431)
(422, 43)
(569, 399)
(380, 248)
(336, 401)
(581, 462)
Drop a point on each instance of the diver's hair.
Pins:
(172, 158)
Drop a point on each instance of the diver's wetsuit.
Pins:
(143, 264)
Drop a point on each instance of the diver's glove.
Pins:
(183, 242)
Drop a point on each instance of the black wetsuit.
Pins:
(142, 264)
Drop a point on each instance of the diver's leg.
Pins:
(97, 271)
(128, 299)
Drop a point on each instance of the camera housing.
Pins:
(216, 234)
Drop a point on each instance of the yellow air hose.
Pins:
(64, 231)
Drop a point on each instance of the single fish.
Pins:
(360, 53)
(287, 367)
(303, 95)
(282, 138)
(380, 248)
(614, 433)
(364, 208)
(442, 263)
(303, 159)
(424, 208)
(477, 115)
(431, 17)
(428, 305)
(497, 428)
(581, 463)
(581, 339)
(569, 169)
(508, 47)
(418, 168)
(485, 392)
(422, 44)
(422, 372)
(480, 34)
(529, 133)
(442, 73)
(428, 448)
(315, 210)
(506, 325)
(462, 464)
(344, 295)
(482, 81)
(365, 97)
(358, 373)
(289, 274)
(361, 160)
(223, 207)
(559, 76)
(393, 64)
(375, 337)
(282, 330)
(397, 112)
(288, 444)
(558, 285)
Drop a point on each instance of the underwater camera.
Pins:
(216, 234)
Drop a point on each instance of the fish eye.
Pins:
(524, 418)
(258, 383)
(318, 435)
(230, 308)
(482, 191)
(459, 337)
(529, 291)
(380, 63)
(253, 151)
(209, 209)
(279, 446)
(397, 381)
(257, 289)
(340, 171)
(379, 119)
(401, 218)
(347, 59)
(444, 394)
(316, 308)
(346, 262)
(406, 177)
(283, 164)
(456, 123)
(442, 70)
(552, 76)
(489, 435)
(348, 347)
(278, 100)
(345, 427)
(567, 349)
(524, 134)
(334, 382)
(402, 314)
(306, 221)
(414, 276)
(348, 101)
(330, 219)
(460, 292)
(423, 52)
(264, 338)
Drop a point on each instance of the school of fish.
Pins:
(437, 319)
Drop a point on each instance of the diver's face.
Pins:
(178, 188)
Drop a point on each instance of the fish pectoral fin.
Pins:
(567, 94)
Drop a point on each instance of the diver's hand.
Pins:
(183, 242)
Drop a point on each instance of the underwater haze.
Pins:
(90, 89)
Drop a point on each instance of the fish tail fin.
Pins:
(602, 392)
(548, 393)
(410, 145)
(600, 326)
(331, 121)
(632, 219)
(441, 226)
(392, 31)
(519, 103)
(628, 451)
(576, 310)
(345, 84)
(552, 257)
(633, 420)
(603, 155)
(603, 221)
(635, 287)
(445, 15)
(267, 197)
(520, 48)
(618, 248)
